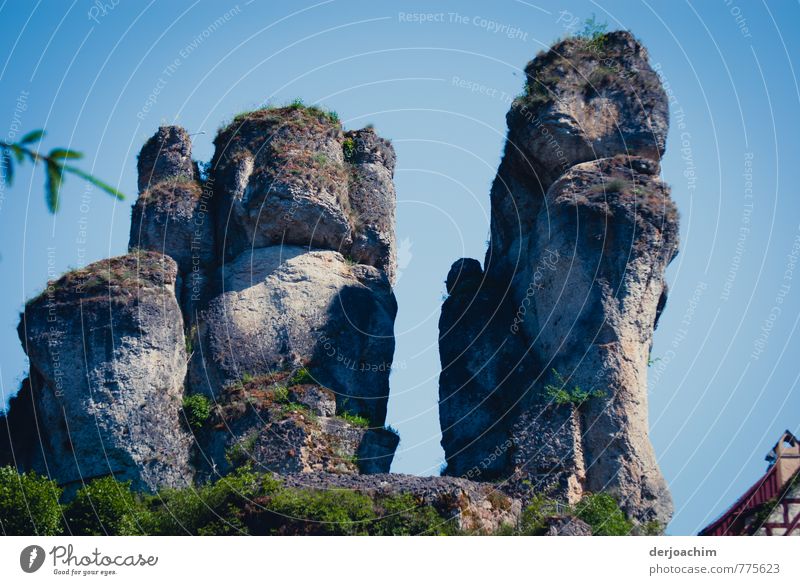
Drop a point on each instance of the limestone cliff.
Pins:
(545, 348)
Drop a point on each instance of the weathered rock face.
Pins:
(290, 176)
(572, 289)
(173, 216)
(167, 154)
(107, 364)
(280, 426)
(285, 307)
(476, 507)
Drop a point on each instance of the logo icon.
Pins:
(31, 558)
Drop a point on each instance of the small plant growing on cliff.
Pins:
(239, 453)
(189, 339)
(280, 394)
(196, 410)
(355, 419)
(301, 376)
(349, 149)
(593, 32)
(561, 394)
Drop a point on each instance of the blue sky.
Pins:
(726, 384)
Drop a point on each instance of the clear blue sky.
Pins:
(715, 407)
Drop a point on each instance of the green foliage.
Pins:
(532, 520)
(355, 419)
(403, 515)
(349, 149)
(301, 376)
(55, 165)
(243, 502)
(247, 378)
(293, 407)
(603, 514)
(296, 104)
(651, 528)
(561, 394)
(239, 453)
(106, 506)
(333, 116)
(189, 340)
(213, 508)
(197, 410)
(280, 394)
(322, 512)
(593, 32)
(28, 504)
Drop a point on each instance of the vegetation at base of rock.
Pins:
(28, 504)
(603, 514)
(355, 419)
(600, 511)
(197, 410)
(534, 515)
(105, 506)
(244, 502)
(561, 394)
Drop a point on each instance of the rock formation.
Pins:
(251, 323)
(107, 363)
(545, 350)
(269, 275)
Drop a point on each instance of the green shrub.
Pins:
(603, 514)
(328, 512)
(280, 394)
(561, 394)
(239, 453)
(301, 376)
(105, 506)
(355, 419)
(349, 149)
(594, 33)
(196, 410)
(532, 519)
(213, 508)
(28, 504)
(651, 528)
(403, 515)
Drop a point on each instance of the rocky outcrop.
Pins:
(545, 351)
(107, 363)
(476, 507)
(282, 425)
(291, 176)
(286, 306)
(172, 215)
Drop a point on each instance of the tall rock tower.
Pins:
(545, 347)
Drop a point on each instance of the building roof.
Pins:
(784, 459)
